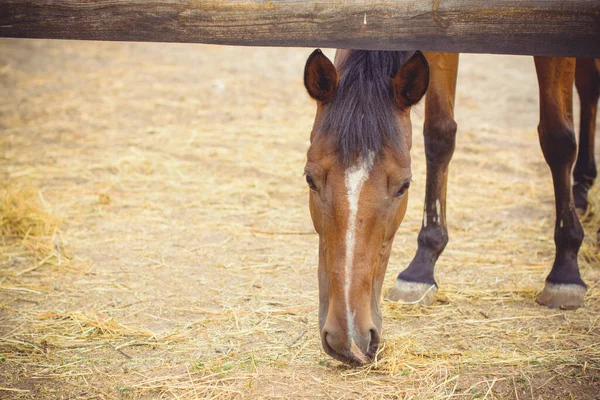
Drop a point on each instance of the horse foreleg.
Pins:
(416, 284)
(587, 81)
(564, 287)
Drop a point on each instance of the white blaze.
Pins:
(355, 177)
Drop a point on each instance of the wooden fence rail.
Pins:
(538, 27)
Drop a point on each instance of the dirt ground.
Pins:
(190, 257)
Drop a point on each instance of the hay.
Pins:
(20, 215)
(190, 257)
(27, 230)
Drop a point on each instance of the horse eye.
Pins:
(311, 183)
(403, 189)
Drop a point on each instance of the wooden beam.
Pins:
(537, 27)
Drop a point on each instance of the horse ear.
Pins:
(320, 77)
(411, 80)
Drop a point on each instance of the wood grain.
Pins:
(537, 27)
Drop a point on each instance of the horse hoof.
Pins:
(417, 293)
(564, 296)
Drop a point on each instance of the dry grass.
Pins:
(25, 225)
(187, 257)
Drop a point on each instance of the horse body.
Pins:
(358, 170)
(564, 287)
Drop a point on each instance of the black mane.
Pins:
(361, 117)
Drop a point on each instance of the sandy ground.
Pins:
(177, 173)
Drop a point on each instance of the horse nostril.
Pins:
(373, 343)
(331, 341)
(327, 345)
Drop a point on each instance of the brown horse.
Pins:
(358, 170)
(564, 287)
(587, 82)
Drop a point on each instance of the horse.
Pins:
(358, 170)
(587, 82)
(564, 287)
